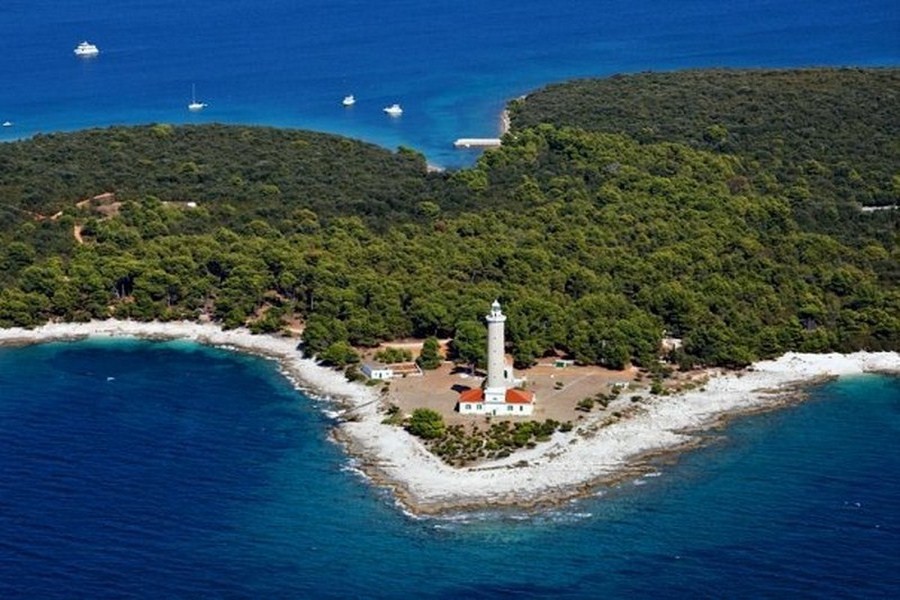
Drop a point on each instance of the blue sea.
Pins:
(158, 470)
(133, 469)
(451, 64)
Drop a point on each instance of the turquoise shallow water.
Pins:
(148, 469)
(452, 65)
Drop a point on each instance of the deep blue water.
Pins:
(200, 473)
(157, 470)
(452, 64)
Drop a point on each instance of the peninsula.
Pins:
(598, 451)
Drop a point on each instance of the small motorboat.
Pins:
(86, 49)
(348, 100)
(394, 110)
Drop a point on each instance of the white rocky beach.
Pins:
(597, 450)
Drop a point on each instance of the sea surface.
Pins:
(132, 469)
(160, 470)
(451, 64)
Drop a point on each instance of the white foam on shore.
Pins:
(557, 469)
(561, 467)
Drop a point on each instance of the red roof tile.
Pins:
(472, 395)
(516, 396)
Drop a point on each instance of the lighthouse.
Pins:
(497, 373)
(499, 394)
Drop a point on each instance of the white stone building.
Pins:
(373, 371)
(380, 371)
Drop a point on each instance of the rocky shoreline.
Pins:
(571, 464)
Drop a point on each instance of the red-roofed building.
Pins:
(500, 395)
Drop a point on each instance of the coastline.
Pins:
(568, 466)
(304, 373)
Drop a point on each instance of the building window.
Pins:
(509, 408)
(479, 407)
(521, 408)
(468, 407)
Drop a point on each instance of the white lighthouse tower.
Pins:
(498, 376)
(499, 395)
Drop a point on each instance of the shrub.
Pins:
(352, 373)
(339, 354)
(393, 355)
(585, 405)
(426, 424)
(430, 358)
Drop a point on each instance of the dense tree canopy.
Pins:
(259, 178)
(598, 243)
(824, 139)
(812, 124)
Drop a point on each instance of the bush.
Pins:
(430, 358)
(426, 424)
(339, 354)
(585, 405)
(352, 373)
(394, 416)
(393, 355)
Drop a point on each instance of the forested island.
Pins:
(729, 209)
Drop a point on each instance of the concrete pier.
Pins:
(477, 142)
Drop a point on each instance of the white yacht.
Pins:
(348, 100)
(195, 105)
(86, 49)
(7, 123)
(394, 110)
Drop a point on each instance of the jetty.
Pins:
(477, 142)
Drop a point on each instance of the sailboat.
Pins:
(194, 105)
